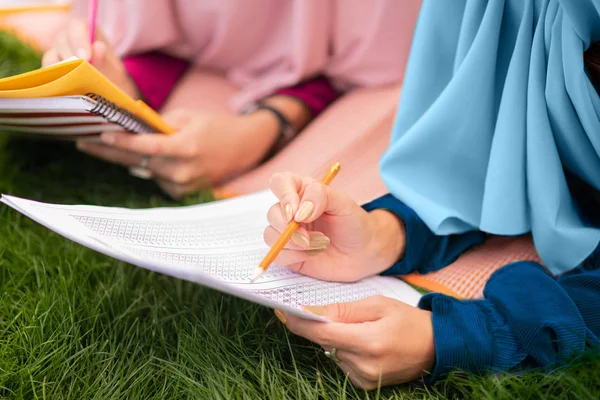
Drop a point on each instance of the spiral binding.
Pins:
(127, 120)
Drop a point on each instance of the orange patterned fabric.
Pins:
(466, 277)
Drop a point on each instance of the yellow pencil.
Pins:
(291, 228)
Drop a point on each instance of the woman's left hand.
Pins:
(206, 149)
(379, 341)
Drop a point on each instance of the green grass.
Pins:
(16, 57)
(75, 324)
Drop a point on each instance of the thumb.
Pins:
(50, 57)
(366, 310)
(99, 50)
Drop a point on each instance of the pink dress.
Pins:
(261, 45)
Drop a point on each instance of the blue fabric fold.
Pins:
(496, 108)
(527, 319)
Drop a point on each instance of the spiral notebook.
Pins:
(71, 100)
(69, 117)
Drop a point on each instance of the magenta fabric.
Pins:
(155, 75)
(317, 94)
(266, 45)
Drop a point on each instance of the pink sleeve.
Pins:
(155, 75)
(316, 94)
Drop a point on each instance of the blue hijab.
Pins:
(496, 107)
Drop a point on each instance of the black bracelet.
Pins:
(286, 131)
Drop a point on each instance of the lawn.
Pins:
(75, 324)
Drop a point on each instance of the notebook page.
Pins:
(217, 245)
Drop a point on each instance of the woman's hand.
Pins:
(206, 148)
(73, 41)
(379, 341)
(337, 240)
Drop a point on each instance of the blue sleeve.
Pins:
(527, 318)
(425, 251)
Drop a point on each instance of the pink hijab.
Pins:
(265, 45)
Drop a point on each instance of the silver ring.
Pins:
(142, 170)
(144, 162)
(332, 355)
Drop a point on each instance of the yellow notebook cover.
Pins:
(77, 78)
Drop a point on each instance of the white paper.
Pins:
(217, 244)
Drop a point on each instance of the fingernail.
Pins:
(81, 145)
(289, 212)
(300, 240)
(108, 137)
(305, 211)
(313, 252)
(318, 241)
(317, 310)
(82, 53)
(280, 316)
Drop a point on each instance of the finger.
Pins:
(292, 259)
(149, 144)
(360, 369)
(353, 376)
(352, 366)
(62, 46)
(77, 39)
(366, 310)
(340, 336)
(50, 57)
(276, 218)
(175, 170)
(177, 191)
(347, 370)
(286, 187)
(110, 154)
(348, 362)
(313, 243)
(167, 169)
(295, 260)
(298, 241)
(342, 355)
(318, 199)
(98, 54)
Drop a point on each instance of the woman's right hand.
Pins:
(74, 41)
(337, 239)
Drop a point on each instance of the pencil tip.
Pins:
(257, 274)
